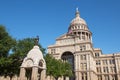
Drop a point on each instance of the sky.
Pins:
(51, 18)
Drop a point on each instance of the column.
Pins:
(78, 67)
(110, 77)
(91, 38)
(103, 77)
(77, 33)
(85, 35)
(117, 67)
(22, 73)
(34, 73)
(43, 74)
(109, 71)
(76, 75)
(80, 75)
(88, 67)
(75, 64)
(81, 35)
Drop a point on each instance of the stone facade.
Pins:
(88, 63)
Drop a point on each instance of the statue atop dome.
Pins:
(77, 12)
(36, 40)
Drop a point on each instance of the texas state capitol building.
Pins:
(88, 63)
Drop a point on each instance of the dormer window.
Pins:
(97, 55)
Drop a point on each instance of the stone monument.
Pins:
(33, 66)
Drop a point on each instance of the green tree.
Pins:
(6, 42)
(67, 70)
(49, 64)
(22, 47)
(57, 68)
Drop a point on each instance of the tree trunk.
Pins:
(10, 77)
(56, 78)
(64, 78)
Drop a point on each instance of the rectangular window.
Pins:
(111, 61)
(105, 62)
(53, 51)
(112, 69)
(84, 47)
(83, 76)
(96, 54)
(98, 62)
(98, 69)
(84, 57)
(83, 66)
(106, 77)
(107, 69)
(81, 57)
(113, 77)
(81, 48)
(99, 77)
(104, 69)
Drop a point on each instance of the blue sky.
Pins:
(51, 18)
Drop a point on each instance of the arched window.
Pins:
(41, 63)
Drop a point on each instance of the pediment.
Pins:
(64, 36)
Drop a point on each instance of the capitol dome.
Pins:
(78, 19)
(78, 26)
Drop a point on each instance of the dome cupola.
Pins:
(78, 19)
(78, 27)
